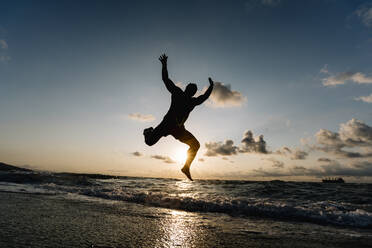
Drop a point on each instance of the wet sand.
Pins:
(31, 220)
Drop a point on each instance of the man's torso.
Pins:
(181, 106)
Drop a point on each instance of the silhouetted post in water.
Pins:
(182, 104)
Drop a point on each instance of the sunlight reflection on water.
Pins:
(184, 188)
(180, 228)
(183, 185)
(178, 231)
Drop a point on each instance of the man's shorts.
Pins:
(178, 132)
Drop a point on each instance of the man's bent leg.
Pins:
(186, 137)
(152, 135)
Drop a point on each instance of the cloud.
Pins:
(3, 44)
(141, 117)
(226, 148)
(251, 145)
(357, 169)
(294, 155)
(137, 154)
(356, 132)
(292, 171)
(353, 134)
(330, 142)
(325, 160)
(344, 77)
(165, 159)
(352, 142)
(365, 15)
(333, 168)
(329, 138)
(223, 96)
(360, 78)
(367, 99)
(283, 151)
(276, 163)
(299, 155)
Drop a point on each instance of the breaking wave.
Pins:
(346, 205)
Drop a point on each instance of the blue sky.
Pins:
(72, 72)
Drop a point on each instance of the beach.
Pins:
(195, 124)
(41, 220)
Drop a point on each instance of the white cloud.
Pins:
(360, 78)
(367, 99)
(356, 133)
(141, 117)
(223, 96)
(344, 77)
(353, 134)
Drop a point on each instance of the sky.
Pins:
(80, 80)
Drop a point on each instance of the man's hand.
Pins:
(163, 59)
(210, 81)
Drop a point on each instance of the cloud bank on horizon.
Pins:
(349, 154)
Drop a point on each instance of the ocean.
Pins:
(159, 212)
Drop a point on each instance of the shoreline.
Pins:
(30, 220)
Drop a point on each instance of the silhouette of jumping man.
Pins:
(182, 104)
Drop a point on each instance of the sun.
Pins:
(180, 155)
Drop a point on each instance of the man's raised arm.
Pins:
(171, 87)
(200, 99)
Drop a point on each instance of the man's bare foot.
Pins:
(186, 171)
(148, 130)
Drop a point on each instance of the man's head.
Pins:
(191, 89)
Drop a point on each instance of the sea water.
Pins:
(347, 204)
